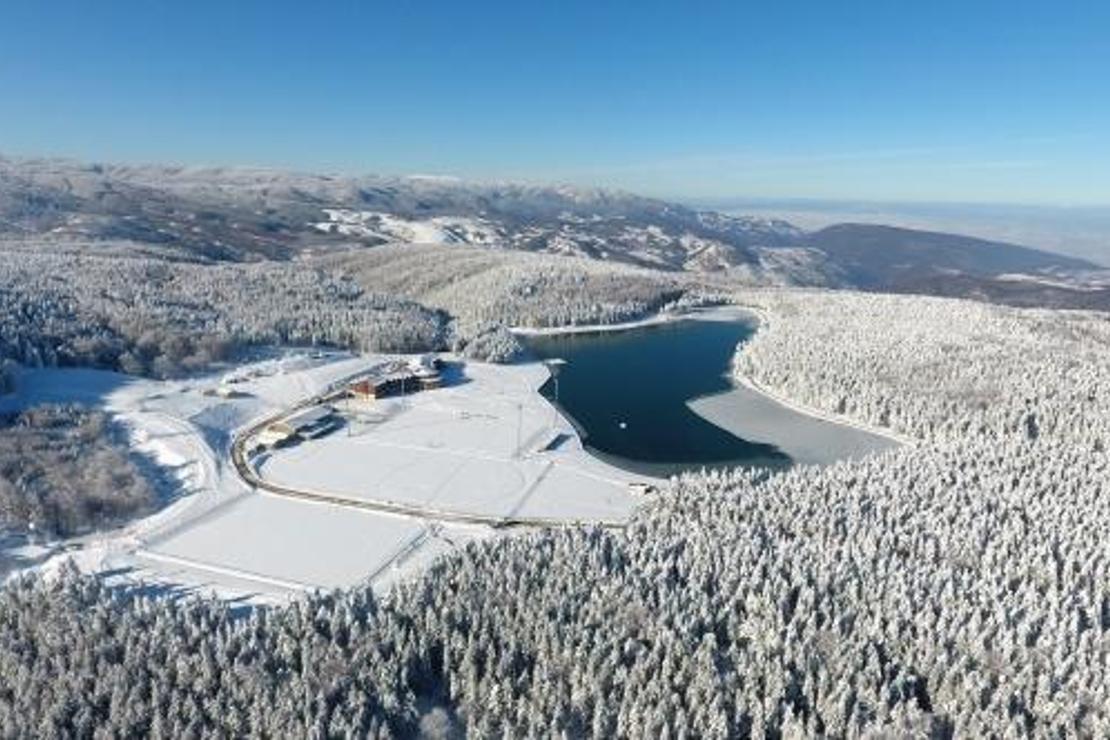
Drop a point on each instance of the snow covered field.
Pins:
(477, 447)
(473, 447)
(488, 444)
(807, 439)
(295, 545)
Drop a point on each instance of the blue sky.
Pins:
(894, 100)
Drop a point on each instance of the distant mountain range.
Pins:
(243, 214)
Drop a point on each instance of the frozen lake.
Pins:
(660, 399)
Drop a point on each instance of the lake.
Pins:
(627, 393)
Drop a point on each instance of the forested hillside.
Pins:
(66, 470)
(244, 215)
(958, 588)
(512, 289)
(487, 291)
(120, 307)
(151, 316)
(875, 256)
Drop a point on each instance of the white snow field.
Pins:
(476, 448)
(391, 228)
(488, 447)
(293, 545)
(473, 447)
(806, 438)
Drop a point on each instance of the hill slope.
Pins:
(878, 256)
(243, 214)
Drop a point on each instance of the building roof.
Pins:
(309, 417)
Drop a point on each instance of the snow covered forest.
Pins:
(150, 316)
(956, 588)
(66, 470)
(487, 291)
(959, 587)
(943, 370)
(122, 307)
(242, 214)
(513, 289)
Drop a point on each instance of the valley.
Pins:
(430, 371)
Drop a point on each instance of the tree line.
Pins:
(161, 318)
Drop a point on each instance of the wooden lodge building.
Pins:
(419, 375)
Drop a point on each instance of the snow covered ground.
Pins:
(807, 439)
(476, 447)
(473, 447)
(391, 228)
(488, 444)
(295, 545)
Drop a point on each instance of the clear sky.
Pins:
(975, 100)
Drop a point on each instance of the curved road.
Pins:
(248, 474)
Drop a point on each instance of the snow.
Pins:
(807, 439)
(474, 447)
(715, 313)
(289, 543)
(1090, 281)
(437, 230)
(58, 385)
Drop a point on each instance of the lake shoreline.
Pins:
(743, 380)
(752, 412)
(708, 313)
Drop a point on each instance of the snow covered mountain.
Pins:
(243, 214)
(237, 214)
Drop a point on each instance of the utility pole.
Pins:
(519, 422)
(554, 366)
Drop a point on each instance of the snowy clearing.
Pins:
(477, 447)
(807, 439)
(474, 447)
(391, 482)
(333, 546)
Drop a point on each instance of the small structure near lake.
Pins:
(398, 378)
(369, 389)
(309, 424)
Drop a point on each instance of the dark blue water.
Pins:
(626, 391)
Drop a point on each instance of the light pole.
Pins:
(519, 423)
(554, 366)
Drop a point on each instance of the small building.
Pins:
(398, 378)
(309, 424)
(224, 391)
(426, 369)
(389, 385)
(275, 435)
(426, 363)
